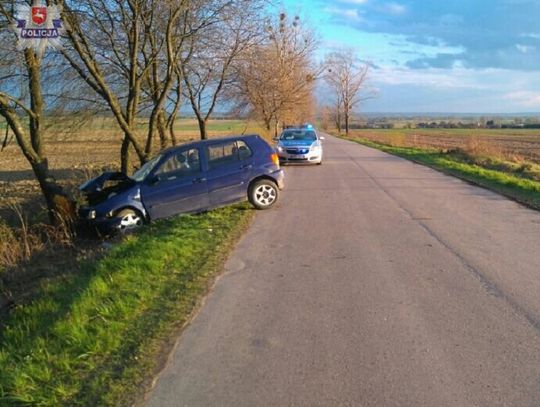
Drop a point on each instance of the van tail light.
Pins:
(275, 159)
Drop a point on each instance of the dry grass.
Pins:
(476, 146)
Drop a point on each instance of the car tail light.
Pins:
(275, 159)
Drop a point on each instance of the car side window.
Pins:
(243, 150)
(222, 154)
(181, 164)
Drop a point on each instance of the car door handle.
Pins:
(246, 167)
(199, 180)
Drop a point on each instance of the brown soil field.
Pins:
(507, 144)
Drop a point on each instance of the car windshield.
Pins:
(298, 135)
(142, 172)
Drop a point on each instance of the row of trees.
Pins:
(148, 58)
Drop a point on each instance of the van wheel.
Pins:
(263, 194)
(129, 219)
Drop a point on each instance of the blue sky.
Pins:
(456, 56)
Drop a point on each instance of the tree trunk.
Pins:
(61, 209)
(202, 128)
(161, 126)
(170, 126)
(124, 155)
(338, 117)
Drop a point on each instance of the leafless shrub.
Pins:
(10, 248)
(19, 243)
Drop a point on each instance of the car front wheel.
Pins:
(129, 219)
(263, 194)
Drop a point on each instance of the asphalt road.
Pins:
(374, 282)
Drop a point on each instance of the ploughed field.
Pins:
(505, 144)
(81, 151)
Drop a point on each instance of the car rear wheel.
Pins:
(263, 194)
(129, 219)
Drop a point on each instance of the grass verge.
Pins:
(514, 186)
(95, 337)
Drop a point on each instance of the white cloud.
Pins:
(395, 8)
(509, 82)
(348, 14)
(455, 90)
(525, 48)
(437, 78)
(357, 2)
(524, 98)
(534, 36)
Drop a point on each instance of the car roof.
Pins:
(298, 129)
(199, 143)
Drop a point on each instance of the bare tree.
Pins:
(104, 44)
(23, 106)
(346, 76)
(135, 59)
(166, 81)
(277, 78)
(166, 38)
(126, 51)
(213, 53)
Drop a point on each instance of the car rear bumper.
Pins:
(279, 176)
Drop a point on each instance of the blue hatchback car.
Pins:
(189, 178)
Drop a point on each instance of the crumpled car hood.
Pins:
(100, 188)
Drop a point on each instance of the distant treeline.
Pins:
(446, 125)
